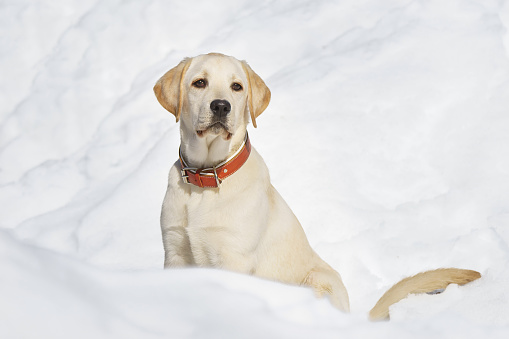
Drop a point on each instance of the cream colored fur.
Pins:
(244, 225)
(425, 282)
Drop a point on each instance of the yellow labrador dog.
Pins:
(220, 208)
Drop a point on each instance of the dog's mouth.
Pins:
(216, 128)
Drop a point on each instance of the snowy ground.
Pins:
(404, 103)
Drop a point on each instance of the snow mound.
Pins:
(404, 103)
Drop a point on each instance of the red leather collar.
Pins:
(212, 177)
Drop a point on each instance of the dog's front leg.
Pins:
(177, 247)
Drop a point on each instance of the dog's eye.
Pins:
(200, 83)
(236, 87)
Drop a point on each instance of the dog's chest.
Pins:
(220, 231)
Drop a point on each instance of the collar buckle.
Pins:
(185, 175)
(218, 181)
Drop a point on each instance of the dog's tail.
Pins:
(425, 282)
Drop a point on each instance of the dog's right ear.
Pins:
(169, 89)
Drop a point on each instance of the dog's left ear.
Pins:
(258, 95)
(169, 89)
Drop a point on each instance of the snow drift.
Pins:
(404, 103)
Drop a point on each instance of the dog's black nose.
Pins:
(220, 108)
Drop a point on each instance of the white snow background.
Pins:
(387, 134)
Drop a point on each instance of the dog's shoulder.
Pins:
(175, 175)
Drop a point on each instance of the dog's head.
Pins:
(213, 94)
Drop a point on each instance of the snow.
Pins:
(395, 113)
